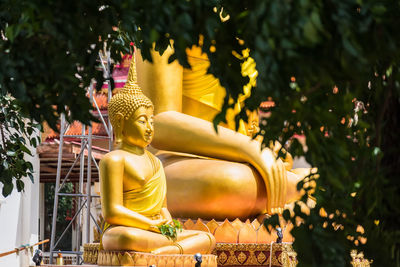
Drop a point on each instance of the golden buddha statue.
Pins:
(133, 184)
(211, 175)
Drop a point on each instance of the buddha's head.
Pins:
(131, 113)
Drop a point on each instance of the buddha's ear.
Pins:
(118, 127)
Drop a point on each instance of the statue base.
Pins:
(224, 254)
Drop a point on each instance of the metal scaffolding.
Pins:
(84, 198)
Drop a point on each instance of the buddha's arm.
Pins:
(179, 132)
(111, 187)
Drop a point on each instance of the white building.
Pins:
(19, 220)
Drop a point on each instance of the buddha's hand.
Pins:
(274, 174)
(154, 225)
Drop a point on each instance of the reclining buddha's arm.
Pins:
(111, 183)
(175, 131)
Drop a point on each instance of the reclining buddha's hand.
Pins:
(273, 171)
(287, 160)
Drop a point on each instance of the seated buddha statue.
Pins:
(133, 185)
(210, 175)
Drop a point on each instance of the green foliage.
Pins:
(17, 133)
(65, 209)
(65, 204)
(331, 67)
(171, 230)
(48, 54)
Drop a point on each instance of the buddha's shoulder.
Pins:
(114, 156)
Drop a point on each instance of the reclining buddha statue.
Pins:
(210, 175)
(133, 185)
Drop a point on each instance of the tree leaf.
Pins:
(20, 185)
(7, 189)
(31, 177)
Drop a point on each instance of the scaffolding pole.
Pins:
(84, 199)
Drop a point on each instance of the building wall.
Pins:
(19, 220)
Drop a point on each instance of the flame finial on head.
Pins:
(132, 82)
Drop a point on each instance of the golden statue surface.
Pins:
(133, 184)
(211, 175)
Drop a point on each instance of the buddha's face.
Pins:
(138, 129)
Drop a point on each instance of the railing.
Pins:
(23, 247)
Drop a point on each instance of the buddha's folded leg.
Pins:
(190, 242)
(212, 189)
(129, 238)
(204, 242)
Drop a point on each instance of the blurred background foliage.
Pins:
(331, 68)
(66, 211)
